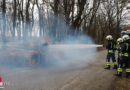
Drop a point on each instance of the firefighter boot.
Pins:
(107, 67)
(119, 74)
(115, 67)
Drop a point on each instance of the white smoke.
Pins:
(16, 53)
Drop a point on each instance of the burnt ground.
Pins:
(79, 76)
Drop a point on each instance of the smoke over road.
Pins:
(54, 77)
(18, 57)
(65, 62)
(65, 55)
(72, 50)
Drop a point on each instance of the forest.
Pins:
(23, 19)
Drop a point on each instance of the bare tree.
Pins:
(60, 18)
(4, 20)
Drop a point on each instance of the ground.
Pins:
(86, 76)
(120, 84)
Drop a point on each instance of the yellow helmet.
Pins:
(109, 37)
(126, 37)
(119, 40)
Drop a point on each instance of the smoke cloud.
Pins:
(68, 46)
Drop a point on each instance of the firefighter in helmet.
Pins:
(111, 47)
(119, 42)
(119, 60)
(125, 57)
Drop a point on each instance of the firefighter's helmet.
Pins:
(126, 37)
(119, 40)
(109, 37)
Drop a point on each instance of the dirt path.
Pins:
(92, 78)
(87, 76)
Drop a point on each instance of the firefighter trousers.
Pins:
(124, 61)
(111, 56)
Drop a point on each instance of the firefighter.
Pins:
(125, 57)
(119, 60)
(111, 47)
(119, 42)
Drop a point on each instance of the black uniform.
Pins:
(119, 53)
(125, 59)
(111, 47)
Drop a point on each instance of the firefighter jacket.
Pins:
(125, 49)
(111, 46)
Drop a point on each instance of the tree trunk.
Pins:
(14, 18)
(4, 20)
